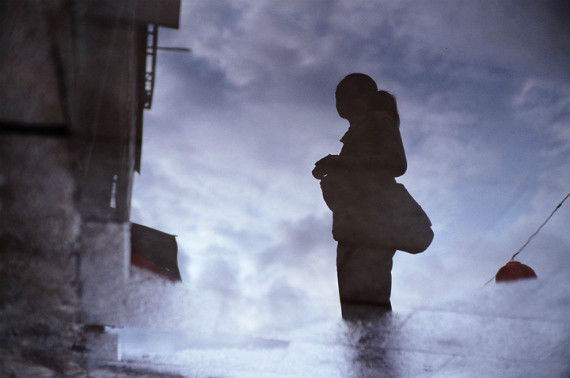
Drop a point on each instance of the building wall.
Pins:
(39, 230)
(70, 113)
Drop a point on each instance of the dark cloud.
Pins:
(237, 125)
(220, 275)
(185, 78)
(306, 238)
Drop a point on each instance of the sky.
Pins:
(236, 125)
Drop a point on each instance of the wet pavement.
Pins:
(519, 329)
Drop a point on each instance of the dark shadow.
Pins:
(373, 215)
(367, 335)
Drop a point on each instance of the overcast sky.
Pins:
(236, 125)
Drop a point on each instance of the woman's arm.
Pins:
(391, 162)
(376, 145)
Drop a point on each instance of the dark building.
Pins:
(76, 76)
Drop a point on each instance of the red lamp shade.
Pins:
(513, 271)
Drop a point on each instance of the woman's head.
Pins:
(360, 82)
(355, 95)
(385, 101)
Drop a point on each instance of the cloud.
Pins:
(545, 106)
(509, 35)
(220, 274)
(237, 125)
(261, 49)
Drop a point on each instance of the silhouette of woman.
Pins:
(371, 157)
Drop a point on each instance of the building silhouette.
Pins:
(76, 77)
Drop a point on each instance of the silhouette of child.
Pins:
(372, 155)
